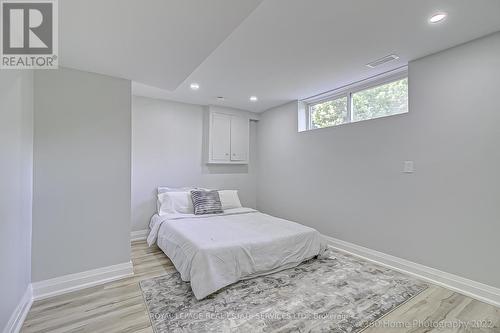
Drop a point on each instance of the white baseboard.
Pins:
(474, 289)
(72, 282)
(19, 315)
(139, 235)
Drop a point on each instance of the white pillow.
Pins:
(163, 189)
(229, 199)
(175, 202)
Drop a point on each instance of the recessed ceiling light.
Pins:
(438, 17)
(194, 86)
(253, 98)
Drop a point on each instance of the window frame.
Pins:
(351, 89)
(310, 105)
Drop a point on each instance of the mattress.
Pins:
(214, 251)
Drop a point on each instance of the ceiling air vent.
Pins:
(383, 60)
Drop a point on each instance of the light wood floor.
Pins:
(119, 307)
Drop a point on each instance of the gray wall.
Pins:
(16, 175)
(347, 181)
(81, 204)
(167, 151)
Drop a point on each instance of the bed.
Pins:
(215, 250)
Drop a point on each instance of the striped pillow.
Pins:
(206, 202)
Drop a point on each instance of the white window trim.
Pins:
(310, 105)
(349, 90)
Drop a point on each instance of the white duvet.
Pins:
(213, 251)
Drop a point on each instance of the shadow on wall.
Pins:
(224, 169)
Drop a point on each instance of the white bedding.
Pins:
(213, 251)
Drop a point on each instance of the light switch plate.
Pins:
(408, 167)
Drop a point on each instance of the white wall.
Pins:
(347, 181)
(82, 147)
(167, 151)
(16, 174)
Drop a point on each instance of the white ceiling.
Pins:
(158, 42)
(283, 50)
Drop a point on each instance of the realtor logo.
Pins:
(29, 34)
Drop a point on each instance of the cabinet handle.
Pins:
(227, 154)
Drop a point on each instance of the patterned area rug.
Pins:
(335, 293)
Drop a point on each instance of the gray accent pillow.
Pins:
(206, 202)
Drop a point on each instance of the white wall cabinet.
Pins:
(221, 137)
(228, 139)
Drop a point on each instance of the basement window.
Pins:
(374, 98)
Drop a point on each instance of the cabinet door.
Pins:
(221, 137)
(240, 130)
